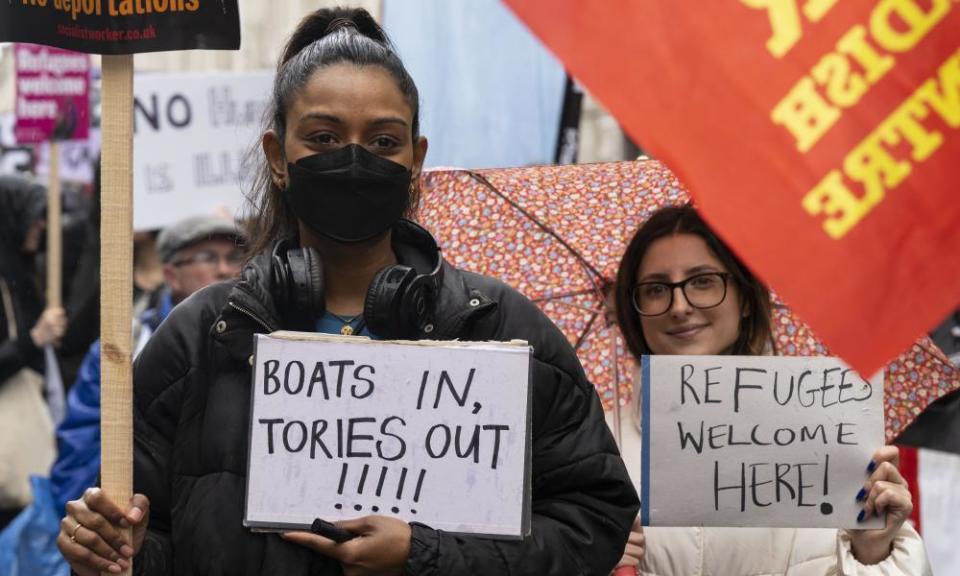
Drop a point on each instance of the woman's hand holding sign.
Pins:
(884, 492)
(92, 538)
(381, 546)
(633, 553)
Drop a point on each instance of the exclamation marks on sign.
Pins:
(416, 494)
(401, 484)
(826, 508)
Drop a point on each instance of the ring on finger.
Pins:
(73, 533)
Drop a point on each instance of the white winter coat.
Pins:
(760, 551)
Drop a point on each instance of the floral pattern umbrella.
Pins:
(557, 234)
(912, 381)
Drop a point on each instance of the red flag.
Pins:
(819, 137)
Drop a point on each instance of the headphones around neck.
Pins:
(400, 302)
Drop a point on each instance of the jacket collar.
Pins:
(251, 309)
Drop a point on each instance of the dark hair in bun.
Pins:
(330, 36)
(323, 38)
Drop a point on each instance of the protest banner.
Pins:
(756, 441)
(817, 136)
(122, 26)
(52, 104)
(52, 94)
(193, 133)
(433, 432)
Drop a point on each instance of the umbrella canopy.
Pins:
(913, 380)
(557, 234)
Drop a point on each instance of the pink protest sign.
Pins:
(53, 88)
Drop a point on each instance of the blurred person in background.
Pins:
(22, 226)
(194, 253)
(82, 300)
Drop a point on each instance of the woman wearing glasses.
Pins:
(680, 290)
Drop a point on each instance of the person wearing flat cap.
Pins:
(195, 252)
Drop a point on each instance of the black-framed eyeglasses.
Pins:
(702, 291)
(210, 259)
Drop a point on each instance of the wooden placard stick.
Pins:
(54, 232)
(116, 280)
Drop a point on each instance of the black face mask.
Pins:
(348, 195)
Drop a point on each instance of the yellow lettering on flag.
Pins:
(806, 114)
(891, 34)
(872, 163)
(785, 20)
(840, 79)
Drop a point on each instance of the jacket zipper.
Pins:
(251, 315)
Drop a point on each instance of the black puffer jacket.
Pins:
(192, 406)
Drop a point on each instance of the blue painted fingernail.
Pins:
(871, 466)
(861, 494)
(861, 515)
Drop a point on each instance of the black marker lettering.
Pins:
(416, 493)
(286, 377)
(791, 435)
(801, 485)
(357, 376)
(781, 482)
(841, 434)
(402, 448)
(707, 384)
(301, 429)
(341, 368)
(473, 447)
(497, 428)
(316, 439)
(688, 437)
(270, 368)
(446, 441)
(423, 387)
(754, 439)
(807, 434)
(270, 422)
(685, 384)
(319, 375)
(737, 385)
(717, 488)
(754, 485)
(352, 437)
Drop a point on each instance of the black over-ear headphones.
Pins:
(400, 303)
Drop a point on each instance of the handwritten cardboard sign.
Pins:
(122, 26)
(756, 441)
(435, 432)
(818, 137)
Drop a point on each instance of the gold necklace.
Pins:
(347, 329)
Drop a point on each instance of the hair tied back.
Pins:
(338, 23)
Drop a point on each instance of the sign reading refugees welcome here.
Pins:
(818, 137)
(756, 441)
(433, 432)
(122, 26)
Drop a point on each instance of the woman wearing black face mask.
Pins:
(333, 253)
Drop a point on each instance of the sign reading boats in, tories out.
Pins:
(756, 441)
(433, 432)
